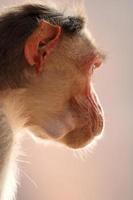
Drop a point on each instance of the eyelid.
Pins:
(97, 62)
(92, 68)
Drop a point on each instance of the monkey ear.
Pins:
(40, 44)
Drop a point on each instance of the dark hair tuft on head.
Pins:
(73, 24)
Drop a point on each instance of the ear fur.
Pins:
(40, 44)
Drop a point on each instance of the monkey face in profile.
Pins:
(52, 89)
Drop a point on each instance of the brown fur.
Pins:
(59, 103)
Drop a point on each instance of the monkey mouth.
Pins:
(83, 136)
(89, 124)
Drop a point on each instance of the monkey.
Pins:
(47, 60)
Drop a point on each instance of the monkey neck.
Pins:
(7, 157)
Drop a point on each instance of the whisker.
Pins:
(30, 179)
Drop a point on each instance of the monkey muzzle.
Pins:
(89, 118)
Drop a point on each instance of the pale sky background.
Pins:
(53, 173)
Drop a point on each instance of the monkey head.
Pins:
(53, 95)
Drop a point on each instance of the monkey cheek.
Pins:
(58, 128)
(54, 127)
(59, 125)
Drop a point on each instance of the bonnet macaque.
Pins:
(46, 63)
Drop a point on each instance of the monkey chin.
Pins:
(79, 138)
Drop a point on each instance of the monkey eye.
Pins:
(93, 66)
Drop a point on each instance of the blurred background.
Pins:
(104, 173)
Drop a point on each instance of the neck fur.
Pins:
(7, 159)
